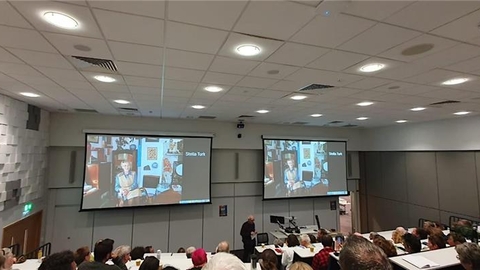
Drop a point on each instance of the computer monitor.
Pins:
(277, 219)
(318, 222)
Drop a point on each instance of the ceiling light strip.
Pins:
(162, 87)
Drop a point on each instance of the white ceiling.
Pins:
(166, 52)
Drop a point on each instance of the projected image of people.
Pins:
(124, 171)
(300, 168)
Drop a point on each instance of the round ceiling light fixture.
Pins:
(121, 101)
(29, 94)
(248, 50)
(455, 81)
(372, 67)
(213, 89)
(60, 20)
(103, 78)
(198, 107)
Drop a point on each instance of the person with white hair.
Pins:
(9, 259)
(248, 234)
(121, 256)
(223, 247)
(224, 261)
(397, 235)
(305, 241)
(189, 251)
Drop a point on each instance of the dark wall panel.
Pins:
(422, 179)
(416, 212)
(394, 176)
(373, 174)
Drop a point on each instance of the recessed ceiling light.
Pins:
(372, 67)
(248, 50)
(121, 101)
(298, 97)
(362, 118)
(365, 103)
(316, 115)
(198, 107)
(60, 20)
(213, 89)
(29, 94)
(461, 113)
(417, 109)
(263, 111)
(455, 81)
(401, 121)
(103, 78)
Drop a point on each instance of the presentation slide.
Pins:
(132, 171)
(295, 168)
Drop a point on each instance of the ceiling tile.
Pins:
(440, 44)
(18, 69)
(140, 70)
(177, 93)
(267, 46)
(367, 95)
(146, 8)
(288, 86)
(109, 87)
(6, 56)
(42, 59)
(427, 15)
(436, 76)
(337, 60)
(35, 81)
(271, 94)
(61, 74)
(183, 59)
(10, 17)
(320, 31)
(255, 82)
(221, 78)
(194, 38)
(402, 71)
(274, 19)
(130, 28)
(469, 65)
(137, 53)
(65, 44)
(444, 93)
(376, 10)
(139, 81)
(33, 12)
(296, 54)
(171, 84)
(263, 70)
(23, 39)
(449, 56)
(144, 90)
(236, 98)
(234, 66)
(308, 76)
(404, 88)
(369, 83)
(181, 74)
(244, 91)
(216, 14)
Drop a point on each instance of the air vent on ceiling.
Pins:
(445, 102)
(85, 110)
(104, 63)
(246, 116)
(336, 122)
(128, 109)
(206, 117)
(315, 86)
(299, 123)
(349, 126)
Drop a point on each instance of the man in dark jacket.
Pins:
(248, 234)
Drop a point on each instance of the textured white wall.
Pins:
(23, 160)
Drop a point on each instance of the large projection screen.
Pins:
(304, 168)
(133, 170)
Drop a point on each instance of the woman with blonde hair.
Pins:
(385, 245)
(300, 266)
(397, 235)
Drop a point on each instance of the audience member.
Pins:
(320, 260)
(463, 227)
(313, 239)
(9, 259)
(287, 253)
(320, 234)
(149, 249)
(397, 235)
(469, 255)
(64, 260)
(300, 266)
(454, 239)
(224, 261)
(169, 268)
(137, 253)
(102, 253)
(180, 250)
(305, 241)
(2, 261)
(83, 254)
(150, 263)
(421, 233)
(372, 235)
(223, 247)
(435, 241)
(278, 242)
(411, 243)
(199, 259)
(385, 245)
(360, 254)
(121, 255)
(189, 252)
(268, 260)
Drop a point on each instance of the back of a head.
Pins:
(80, 254)
(2, 261)
(224, 261)
(422, 233)
(360, 254)
(327, 241)
(150, 263)
(313, 239)
(292, 240)
(437, 239)
(199, 257)
(223, 247)
(386, 246)
(268, 260)
(59, 261)
(121, 251)
(300, 266)
(305, 239)
(189, 252)
(412, 243)
(137, 253)
(102, 251)
(469, 254)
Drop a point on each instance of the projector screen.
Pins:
(131, 171)
(295, 168)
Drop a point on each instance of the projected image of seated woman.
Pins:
(126, 185)
(291, 177)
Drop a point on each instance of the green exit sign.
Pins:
(27, 208)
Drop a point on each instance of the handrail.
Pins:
(46, 249)
(15, 248)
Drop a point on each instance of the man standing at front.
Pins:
(248, 234)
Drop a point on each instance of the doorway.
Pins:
(25, 232)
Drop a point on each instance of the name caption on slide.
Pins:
(335, 153)
(195, 154)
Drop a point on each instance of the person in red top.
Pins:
(320, 261)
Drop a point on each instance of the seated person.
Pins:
(60, 261)
(82, 254)
(463, 227)
(469, 255)
(189, 252)
(223, 247)
(320, 260)
(9, 258)
(180, 250)
(454, 239)
(305, 241)
(149, 249)
(397, 235)
(359, 253)
(126, 183)
(287, 252)
(137, 253)
(436, 241)
(268, 260)
(102, 252)
(421, 233)
(199, 259)
(150, 263)
(290, 175)
(411, 243)
(385, 245)
(121, 255)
